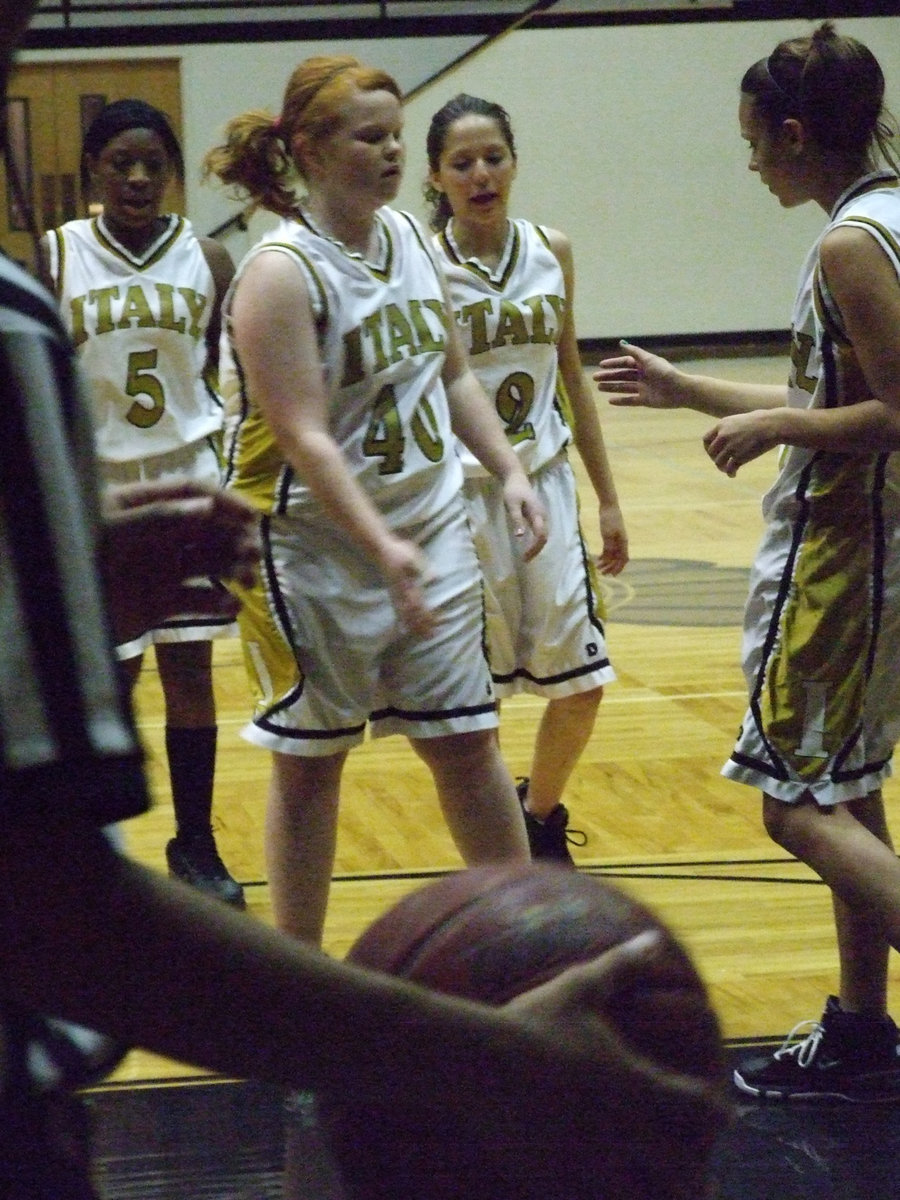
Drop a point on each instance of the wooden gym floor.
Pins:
(658, 816)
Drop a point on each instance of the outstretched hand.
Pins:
(162, 542)
(572, 1007)
(653, 1128)
(638, 379)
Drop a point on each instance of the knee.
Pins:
(795, 827)
(777, 822)
(459, 751)
(588, 701)
(579, 706)
(300, 783)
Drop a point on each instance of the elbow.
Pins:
(886, 433)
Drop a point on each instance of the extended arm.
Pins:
(639, 379)
(117, 947)
(865, 286)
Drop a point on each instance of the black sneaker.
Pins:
(549, 839)
(195, 859)
(844, 1056)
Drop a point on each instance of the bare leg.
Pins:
(849, 847)
(564, 731)
(862, 949)
(301, 833)
(477, 796)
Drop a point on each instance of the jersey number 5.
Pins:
(142, 382)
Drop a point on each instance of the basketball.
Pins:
(490, 933)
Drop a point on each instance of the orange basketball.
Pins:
(490, 933)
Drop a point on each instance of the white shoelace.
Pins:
(807, 1048)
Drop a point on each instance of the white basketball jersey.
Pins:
(139, 325)
(382, 338)
(825, 372)
(511, 319)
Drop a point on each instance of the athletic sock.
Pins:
(192, 765)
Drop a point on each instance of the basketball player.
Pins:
(353, 389)
(141, 296)
(823, 618)
(511, 285)
(91, 936)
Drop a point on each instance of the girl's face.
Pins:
(776, 157)
(476, 170)
(364, 155)
(130, 176)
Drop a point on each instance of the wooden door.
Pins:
(50, 107)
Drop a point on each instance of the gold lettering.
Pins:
(475, 316)
(558, 304)
(196, 303)
(137, 309)
(103, 298)
(539, 332)
(802, 347)
(372, 327)
(167, 318)
(353, 359)
(511, 326)
(427, 341)
(392, 334)
(399, 332)
(79, 333)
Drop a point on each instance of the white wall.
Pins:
(627, 139)
(220, 81)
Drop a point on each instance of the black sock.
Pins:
(192, 764)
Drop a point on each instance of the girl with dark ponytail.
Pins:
(823, 618)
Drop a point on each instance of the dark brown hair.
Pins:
(460, 106)
(834, 85)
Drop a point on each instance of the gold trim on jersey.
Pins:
(810, 698)
(562, 401)
(320, 314)
(381, 269)
(497, 278)
(881, 230)
(255, 464)
(151, 255)
(877, 182)
(826, 309)
(270, 659)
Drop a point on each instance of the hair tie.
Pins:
(783, 92)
